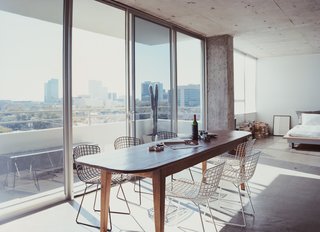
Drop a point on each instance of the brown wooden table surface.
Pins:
(156, 165)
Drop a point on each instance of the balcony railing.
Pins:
(11, 121)
(90, 125)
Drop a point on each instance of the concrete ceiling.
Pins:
(261, 28)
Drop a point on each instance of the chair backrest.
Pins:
(126, 141)
(210, 181)
(248, 166)
(166, 135)
(86, 173)
(85, 149)
(244, 148)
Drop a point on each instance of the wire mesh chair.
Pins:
(242, 150)
(197, 192)
(169, 135)
(125, 142)
(240, 173)
(92, 176)
(166, 135)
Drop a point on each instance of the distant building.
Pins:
(145, 95)
(188, 95)
(51, 91)
(97, 90)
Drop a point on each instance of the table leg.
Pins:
(105, 198)
(159, 185)
(204, 167)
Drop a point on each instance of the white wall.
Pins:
(287, 84)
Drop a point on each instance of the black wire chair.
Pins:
(92, 176)
(161, 135)
(125, 142)
(166, 135)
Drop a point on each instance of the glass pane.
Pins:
(250, 82)
(152, 68)
(98, 73)
(31, 118)
(189, 81)
(239, 71)
(239, 107)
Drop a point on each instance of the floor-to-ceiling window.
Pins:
(152, 78)
(31, 96)
(98, 73)
(244, 83)
(190, 71)
(31, 117)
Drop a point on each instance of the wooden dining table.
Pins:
(138, 160)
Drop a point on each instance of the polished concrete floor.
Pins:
(285, 190)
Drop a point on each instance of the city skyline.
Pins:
(95, 56)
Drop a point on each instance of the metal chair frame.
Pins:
(240, 173)
(125, 142)
(169, 135)
(242, 150)
(197, 192)
(92, 176)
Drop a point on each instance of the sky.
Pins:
(31, 54)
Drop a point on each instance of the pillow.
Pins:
(305, 112)
(310, 119)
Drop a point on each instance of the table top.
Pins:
(139, 159)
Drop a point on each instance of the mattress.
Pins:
(308, 131)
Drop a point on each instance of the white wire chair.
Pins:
(161, 135)
(197, 192)
(242, 150)
(238, 173)
(92, 176)
(125, 142)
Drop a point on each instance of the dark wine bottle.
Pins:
(195, 128)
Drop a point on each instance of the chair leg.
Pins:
(191, 174)
(82, 223)
(242, 210)
(109, 220)
(35, 179)
(214, 223)
(95, 200)
(85, 224)
(249, 196)
(166, 212)
(125, 199)
(134, 189)
(172, 178)
(139, 191)
(200, 217)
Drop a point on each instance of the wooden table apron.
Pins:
(157, 165)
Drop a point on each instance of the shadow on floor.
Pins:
(289, 203)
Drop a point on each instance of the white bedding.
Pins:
(309, 131)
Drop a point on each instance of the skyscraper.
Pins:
(97, 90)
(189, 95)
(51, 91)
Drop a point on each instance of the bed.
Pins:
(307, 132)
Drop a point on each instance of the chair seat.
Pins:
(91, 180)
(197, 192)
(182, 188)
(185, 189)
(118, 178)
(227, 158)
(231, 173)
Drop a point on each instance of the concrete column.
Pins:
(220, 83)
